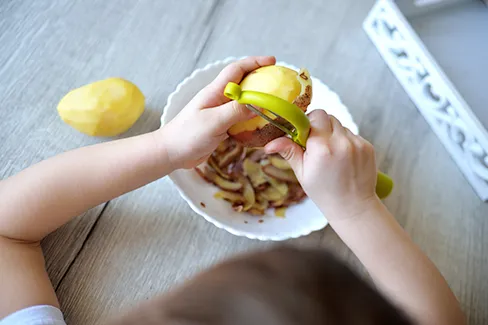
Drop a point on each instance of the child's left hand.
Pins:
(198, 129)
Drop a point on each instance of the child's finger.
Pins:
(337, 127)
(358, 140)
(320, 122)
(229, 114)
(289, 150)
(234, 72)
(352, 137)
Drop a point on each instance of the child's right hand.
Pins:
(337, 170)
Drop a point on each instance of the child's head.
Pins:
(282, 286)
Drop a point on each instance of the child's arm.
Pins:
(398, 267)
(43, 197)
(338, 172)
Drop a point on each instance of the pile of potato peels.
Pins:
(251, 180)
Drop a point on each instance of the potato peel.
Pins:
(231, 156)
(280, 212)
(281, 187)
(230, 196)
(248, 193)
(212, 177)
(251, 180)
(213, 163)
(254, 172)
(279, 162)
(282, 175)
(256, 212)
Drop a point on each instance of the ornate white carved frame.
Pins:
(432, 92)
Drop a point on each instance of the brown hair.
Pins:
(282, 286)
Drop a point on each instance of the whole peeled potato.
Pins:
(290, 85)
(104, 108)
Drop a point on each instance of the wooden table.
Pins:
(145, 242)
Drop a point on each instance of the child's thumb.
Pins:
(289, 150)
(230, 113)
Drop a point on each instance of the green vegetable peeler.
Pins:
(266, 105)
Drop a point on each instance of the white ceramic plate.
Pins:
(300, 219)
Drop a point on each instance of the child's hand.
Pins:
(337, 170)
(198, 129)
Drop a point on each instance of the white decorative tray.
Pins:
(456, 33)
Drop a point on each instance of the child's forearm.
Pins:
(43, 197)
(398, 267)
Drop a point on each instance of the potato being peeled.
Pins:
(104, 108)
(290, 85)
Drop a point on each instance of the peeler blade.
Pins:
(257, 111)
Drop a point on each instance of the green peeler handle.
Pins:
(291, 113)
(384, 185)
(288, 111)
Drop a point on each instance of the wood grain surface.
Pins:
(147, 241)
